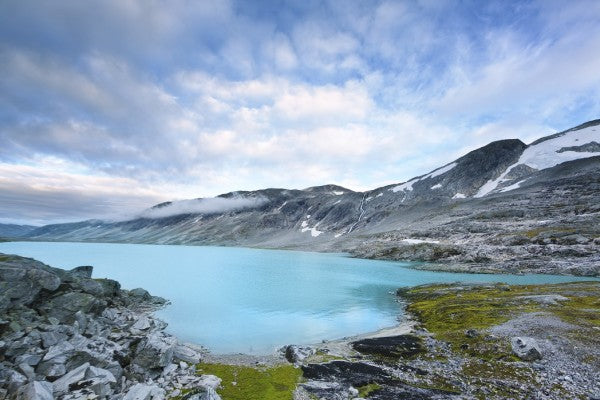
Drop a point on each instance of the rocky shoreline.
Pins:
(65, 335)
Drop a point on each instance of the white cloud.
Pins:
(202, 206)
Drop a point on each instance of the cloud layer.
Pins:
(202, 206)
(123, 104)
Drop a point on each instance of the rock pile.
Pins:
(66, 335)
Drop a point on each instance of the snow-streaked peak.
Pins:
(549, 153)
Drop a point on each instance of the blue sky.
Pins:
(108, 107)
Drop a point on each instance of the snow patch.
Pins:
(379, 195)
(314, 232)
(459, 196)
(545, 155)
(418, 241)
(439, 185)
(337, 235)
(338, 193)
(512, 187)
(408, 186)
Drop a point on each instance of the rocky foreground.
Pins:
(471, 342)
(65, 335)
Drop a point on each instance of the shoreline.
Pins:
(451, 266)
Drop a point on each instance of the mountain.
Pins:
(505, 206)
(15, 231)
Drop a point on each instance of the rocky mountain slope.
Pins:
(506, 205)
(15, 231)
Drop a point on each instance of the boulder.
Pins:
(111, 288)
(142, 391)
(210, 381)
(61, 385)
(64, 306)
(51, 369)
(60, 351)
(296, 354)
(155, 351)
(526, 348)
(39, 390)
(142, 323)
(187, 354)
(14, 379)
(140, 294)
(52, 338)
(84, 271)
(204, 393)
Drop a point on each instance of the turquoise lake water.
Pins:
(255, 301)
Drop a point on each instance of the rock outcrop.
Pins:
(66, 335)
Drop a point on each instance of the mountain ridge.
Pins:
(508, 175)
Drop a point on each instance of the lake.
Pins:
(255, 301)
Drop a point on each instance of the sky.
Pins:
(109, 107)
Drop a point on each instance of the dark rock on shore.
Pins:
(404, 346)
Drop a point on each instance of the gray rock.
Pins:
(526, 348)
(61, 350)
(295, 354)
(140, 294)
(81, 320)
(111, 288)
(29, 359)
(52, 338)
(205, 393)
(61, 385)
(27, 370)
(210, 381)
(51, 369)
(45, 279)
(169, 369)
(142, 391)
(187, 354)
(64, 306)
(142, 323)
(84, 271)
(155, 351)
(471, 333)
(15, 380)
(39, 390)
(94, 372)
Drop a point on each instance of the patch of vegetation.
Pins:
(543, 229)
(322, 357)
(5, 258)
(247, 383)
(448, 311)
(366, 390)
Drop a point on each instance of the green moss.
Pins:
(449, 311)
(247, 383)
(535, 232)
(366, 390)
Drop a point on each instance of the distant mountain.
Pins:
(15, 231)
(462, 214)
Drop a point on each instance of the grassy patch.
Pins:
(247, 383)
(449, 311)
(5, 258)
(535, 232)
(366, 390)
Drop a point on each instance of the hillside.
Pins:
(505, 206)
